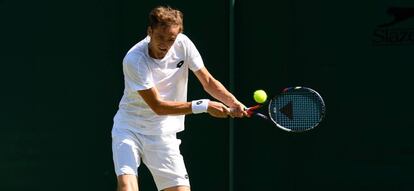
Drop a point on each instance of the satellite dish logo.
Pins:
(391, 32)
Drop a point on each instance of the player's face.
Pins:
(162, 38)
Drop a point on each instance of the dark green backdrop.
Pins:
(61, 78)
(366, 142)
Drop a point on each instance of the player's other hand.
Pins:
(217, 109)
(237, 109)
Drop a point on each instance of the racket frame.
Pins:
(252, 110)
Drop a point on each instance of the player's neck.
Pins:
(152, 53)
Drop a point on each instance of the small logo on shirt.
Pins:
(180, 64)
(186, 176)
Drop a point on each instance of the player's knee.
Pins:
(127, 184)
(178, 188)
(125, 187)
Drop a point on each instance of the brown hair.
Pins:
(163, 16)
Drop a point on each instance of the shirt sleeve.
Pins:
(193, 56)
(137, 74)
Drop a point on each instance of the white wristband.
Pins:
(199, 106)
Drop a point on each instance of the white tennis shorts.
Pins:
(160, 153)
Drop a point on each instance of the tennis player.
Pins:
(154, 103)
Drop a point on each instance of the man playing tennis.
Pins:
(154, 103)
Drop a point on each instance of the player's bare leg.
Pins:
(178, 188)
(127, 183)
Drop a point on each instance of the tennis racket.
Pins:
(295, 109)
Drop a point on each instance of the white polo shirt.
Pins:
(169, 75)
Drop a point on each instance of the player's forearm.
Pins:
(172, 108)
(218, 91)
(163, 107)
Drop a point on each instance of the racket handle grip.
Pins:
(252, 110)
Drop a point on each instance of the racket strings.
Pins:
(304, 112)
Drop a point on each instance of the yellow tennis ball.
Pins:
(259, 96)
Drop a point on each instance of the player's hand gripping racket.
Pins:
(296, 109)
